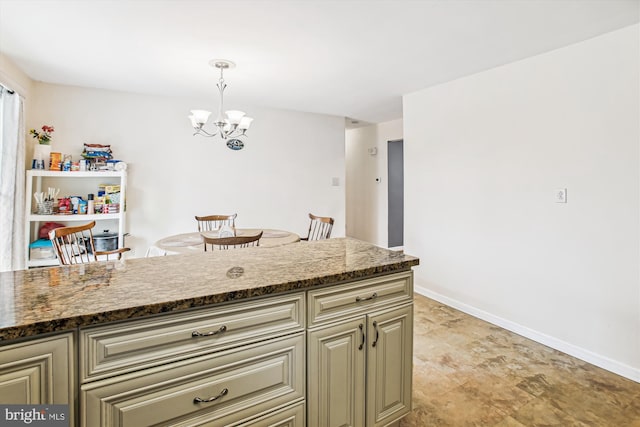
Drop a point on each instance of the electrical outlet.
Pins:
(561, 195)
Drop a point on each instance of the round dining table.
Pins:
(190, 243)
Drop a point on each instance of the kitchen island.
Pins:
(308, 332)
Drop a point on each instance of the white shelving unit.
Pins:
(57, 179)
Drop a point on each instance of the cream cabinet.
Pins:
(237, 364)
(118, 348)
(39, 371)
(288, 417)
(360, 352)
(227, 388)
(337, 369)
(389, 365)
(338, 355)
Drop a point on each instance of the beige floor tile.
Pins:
(470, 373)
(509, 422)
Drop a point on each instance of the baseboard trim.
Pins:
(570, 349)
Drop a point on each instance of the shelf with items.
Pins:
(76, 174)
(44, 262)
(73, 182)
(74, 217)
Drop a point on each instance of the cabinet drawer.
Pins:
(337, 302)
(241, 385)
(288, 417)
(125, 347)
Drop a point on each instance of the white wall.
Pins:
(12, 77)
(483, 156)
(284, 171)
(367, 212)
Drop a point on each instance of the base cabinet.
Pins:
(39, 372)
(380, 345)
(218, 390)
(389, 365)
(360, 368)
(216, 366)
(336, 369)
(334, 356)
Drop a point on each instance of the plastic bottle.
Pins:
(90, 207)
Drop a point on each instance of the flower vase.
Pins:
(42, 153)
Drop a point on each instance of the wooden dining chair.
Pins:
(74, 245)
(231, 242)
(319, 228)
(214, 222)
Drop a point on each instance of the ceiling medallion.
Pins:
(235, 144)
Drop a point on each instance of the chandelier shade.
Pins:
(233, 124)
(199, 117)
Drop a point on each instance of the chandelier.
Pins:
(234, 124)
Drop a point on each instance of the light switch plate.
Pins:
(561, 195)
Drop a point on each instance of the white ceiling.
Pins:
(347, 58)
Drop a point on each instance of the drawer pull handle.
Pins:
(374, 296)
(375, 341)
(208, 334)
(361, 326)
(211, 399)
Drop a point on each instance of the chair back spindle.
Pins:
(319, 228)
(74, 245)
(214, 222)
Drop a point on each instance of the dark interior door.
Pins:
(395, 165)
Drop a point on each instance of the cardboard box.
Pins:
(109, 188)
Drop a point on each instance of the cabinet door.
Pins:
(389, 365)
(38, 372)
(336, 366)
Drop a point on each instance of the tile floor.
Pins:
(468, 372)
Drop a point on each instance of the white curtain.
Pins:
(12, 181)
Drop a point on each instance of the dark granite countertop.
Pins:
(52, 299)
